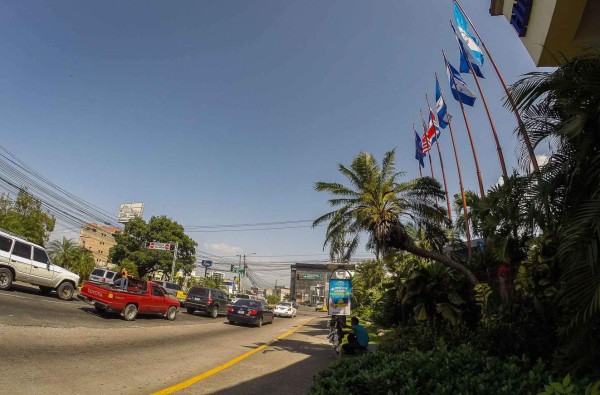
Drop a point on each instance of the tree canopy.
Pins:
(132, 246)
(25, 217)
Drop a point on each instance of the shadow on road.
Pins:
(33, 290)
(117, 316)
(291, 379)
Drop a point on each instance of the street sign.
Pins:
(155, 245)
(206, 263)
(239, 270)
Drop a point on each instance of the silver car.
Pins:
(104, 276)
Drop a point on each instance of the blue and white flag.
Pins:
(460, 91)
(419, 154)
(440, 107)
(471, 42)
(466, 56)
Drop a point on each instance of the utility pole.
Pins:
(244, 268)
(239, 275)
(174, 259)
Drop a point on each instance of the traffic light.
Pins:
(231, 268)
(297, 275)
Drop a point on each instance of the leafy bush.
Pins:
(421, 338)
(438, 371)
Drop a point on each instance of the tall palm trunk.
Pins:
(401, 240)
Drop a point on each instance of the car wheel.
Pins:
(259, 323)
(190, 310)
(6, 278)
(130, 312)
(171, 313)
(65, 291)
(214, 313)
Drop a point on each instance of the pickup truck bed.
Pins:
(144, 297)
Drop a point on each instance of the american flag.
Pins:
(426, 143)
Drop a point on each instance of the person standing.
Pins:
(122, 280)
(358, 340)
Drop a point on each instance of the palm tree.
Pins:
(377, 203)
(562, 109)
(63, 252)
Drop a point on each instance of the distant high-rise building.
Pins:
(550, 29)
(98, 239)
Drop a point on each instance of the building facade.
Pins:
(550, 28)
(98, 239)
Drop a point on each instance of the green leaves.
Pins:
(440, 371)
(25, 217)
(131, 246)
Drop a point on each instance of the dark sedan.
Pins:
(246, 311)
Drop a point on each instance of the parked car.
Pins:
(100, 275)
(21, 260)
(285, 309)
(247, 311)
(140, 297)
(174, 290)
(319, 306)
(211, 301)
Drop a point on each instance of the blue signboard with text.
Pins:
(339, 296)
(206, 263)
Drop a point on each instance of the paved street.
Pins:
(50, 346)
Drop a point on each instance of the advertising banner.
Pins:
(339, 296)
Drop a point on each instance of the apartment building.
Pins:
(549, 28)
(98, 239)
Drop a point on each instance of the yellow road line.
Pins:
(202, 376)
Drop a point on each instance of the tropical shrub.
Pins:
(419, 337)
(462, 370)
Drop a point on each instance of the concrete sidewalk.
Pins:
(285, 367)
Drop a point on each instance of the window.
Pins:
(21, 249)
(199, 291)
(98, 272)
(40, 255)
(156, 291)
(5, 243)
(110, 275)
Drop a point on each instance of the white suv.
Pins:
(24, 261)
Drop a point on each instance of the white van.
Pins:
(21, 260)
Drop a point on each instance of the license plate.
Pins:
(240, 311)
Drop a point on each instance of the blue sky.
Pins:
(227, 112)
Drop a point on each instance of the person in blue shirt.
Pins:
(359, 340)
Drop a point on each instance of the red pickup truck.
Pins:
(140, 297)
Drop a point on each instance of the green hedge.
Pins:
(462, 370)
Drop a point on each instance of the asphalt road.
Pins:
(52, 346)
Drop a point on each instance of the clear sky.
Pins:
(228, 112)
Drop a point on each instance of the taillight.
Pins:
(230, 309)
(253, 312)
(103, 280)
(209, 300)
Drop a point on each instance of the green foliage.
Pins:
(422, 338)
(272, 299)
(66, 253)
(483, 292)
(25, 217)
(568, 386)
(462, 370)
(131, 246)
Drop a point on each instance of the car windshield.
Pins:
(284, 305)
(242, 296)
(253, 304)
(173, 286)
(98, 272)
(199, 291)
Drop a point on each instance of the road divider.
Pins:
(202, 376)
